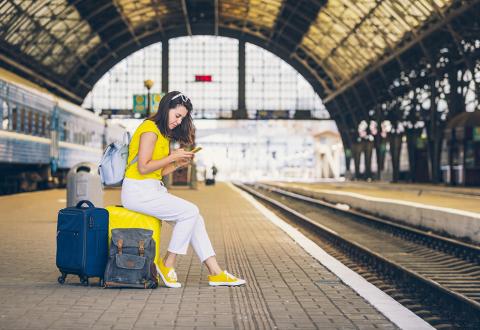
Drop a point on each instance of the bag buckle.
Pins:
(120, 246)
(141, 248)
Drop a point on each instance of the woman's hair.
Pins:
(185, 132)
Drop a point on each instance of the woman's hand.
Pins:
(182, 163)
(180, 155)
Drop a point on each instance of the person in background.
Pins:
(144, 192)
(214, 171)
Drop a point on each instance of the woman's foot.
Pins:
(168, 275)
(225, 279)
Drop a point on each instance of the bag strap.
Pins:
(80, 203)
(134, 160)
(126, 140)
(141, 248)
(120, 246)
(126, 137)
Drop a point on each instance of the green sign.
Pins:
(476, 134)
(140, 102)
(155, 101)
(421, 143)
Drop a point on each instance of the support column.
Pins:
(381, 150)
(368, 149)
(167, 179)
(165, 60)
(412, 136)
(241, 112)
(395, 149)
(434, 132)
(357, 153)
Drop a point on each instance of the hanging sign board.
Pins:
(476, 134)
(140, 103)
(155, 101)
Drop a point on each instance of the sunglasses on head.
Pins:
(182, 96)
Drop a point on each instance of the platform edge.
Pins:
(386, 305)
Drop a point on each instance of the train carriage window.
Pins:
(5, 117)
(44, 124)
(46, 128)
(61, 132)
(14, 118)
(29, 122)
(64, 132)
(22, 120)
(36, 127)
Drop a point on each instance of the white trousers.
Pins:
(150, 197)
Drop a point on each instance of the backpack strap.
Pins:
(126, 137)
(120, 246)
(133, 161)
(141, 248)
(126, 140)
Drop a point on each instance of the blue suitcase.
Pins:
(82, 242)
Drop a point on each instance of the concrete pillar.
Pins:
(241, 112)
(165, 51)
(368, 148)
(357, 152)
(395, 150)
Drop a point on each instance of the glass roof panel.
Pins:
(350, 35)
(346, 37)
(48, 31)
(259, 12)
(139, 12)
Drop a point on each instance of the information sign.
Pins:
(140, 103)
(476, 134)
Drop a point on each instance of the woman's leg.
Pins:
(170, 259)
(203, 247)
(189, 226)
(157, 202)
(213, 266)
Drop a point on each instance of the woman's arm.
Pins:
(145, 151)
(172, 167)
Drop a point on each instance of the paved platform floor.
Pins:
(286, 287)
(465, 199)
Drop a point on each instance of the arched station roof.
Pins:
(70, 44)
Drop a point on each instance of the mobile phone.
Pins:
(196, 149)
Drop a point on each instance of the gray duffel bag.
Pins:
(131, 259)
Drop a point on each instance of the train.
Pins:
(42, 136)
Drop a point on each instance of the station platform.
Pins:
(449, 211)
(288, 285)
(460, 198)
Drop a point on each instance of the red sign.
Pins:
(203, 78)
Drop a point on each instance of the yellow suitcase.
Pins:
(120, 217)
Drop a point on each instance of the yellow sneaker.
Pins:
(168, 275)
(225, 278)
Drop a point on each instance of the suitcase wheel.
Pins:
(61, 278)
(84, 280)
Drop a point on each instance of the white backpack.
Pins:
(114, 162)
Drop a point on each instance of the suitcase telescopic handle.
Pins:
(89, 204)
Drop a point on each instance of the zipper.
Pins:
(84, 238)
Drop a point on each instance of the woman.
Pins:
(143, 191)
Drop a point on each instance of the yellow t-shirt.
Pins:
(161, 150)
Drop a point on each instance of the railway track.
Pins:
(437, 278)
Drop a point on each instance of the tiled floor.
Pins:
(286, 287)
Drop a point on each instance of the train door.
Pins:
(54, 149)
